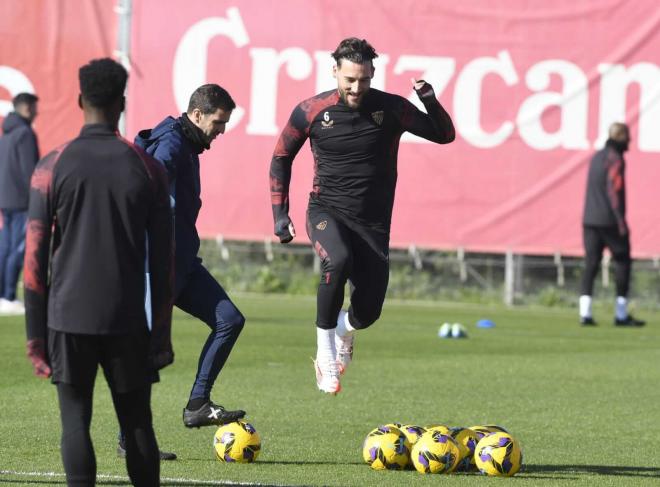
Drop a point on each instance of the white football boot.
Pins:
(8, 308)
(327, 376)
(327, 373)
(343, 342)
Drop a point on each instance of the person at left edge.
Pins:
(98, 207)
(19, 153)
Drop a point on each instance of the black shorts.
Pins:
(74, 359)
(597, 238)
(352, 253)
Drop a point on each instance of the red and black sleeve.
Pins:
(435, 125)
(291, 139)
(615, 186)
(41, 216)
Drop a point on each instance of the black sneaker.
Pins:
(164, 455)
(629, 321)
(587, 321)
(210, 414)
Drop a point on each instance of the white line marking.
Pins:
(119, 477)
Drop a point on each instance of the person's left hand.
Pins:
(422, 88)
(36, 352)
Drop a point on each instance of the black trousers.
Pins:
(361, 257)
(595, 241)
(204, 298)
(75, 359)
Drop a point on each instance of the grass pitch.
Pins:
(583, 402)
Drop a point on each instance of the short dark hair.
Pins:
(208, 98)
(356, 50)
(24, 99)
(102, 82)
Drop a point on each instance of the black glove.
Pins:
(284, 229)
(423, 89)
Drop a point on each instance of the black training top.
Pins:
(605, 200)
(355, 152)
(99, 201)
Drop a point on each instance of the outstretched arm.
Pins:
(436, 124)
(291, 139)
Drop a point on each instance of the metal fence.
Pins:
(430, 274)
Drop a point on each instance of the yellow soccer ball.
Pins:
(487, 429)
(386, 428)
(440, 428)
(435, 452)
(237, 442)
(413, 433)
(498, 454)
(467, 440)
(386, 448)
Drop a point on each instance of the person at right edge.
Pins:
(354, 133)
(605, 225)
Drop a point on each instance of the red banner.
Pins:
(42, 45)
(531, 87)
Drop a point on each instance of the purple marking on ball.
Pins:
(248, 454)
(229, 459)
(441, 438)
(249, 428)
(373, 453)
(504, 441)
(485, 457)
(423, 460)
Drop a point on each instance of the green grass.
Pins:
(584, 403)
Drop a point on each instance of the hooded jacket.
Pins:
(19, 154)
(168, 144)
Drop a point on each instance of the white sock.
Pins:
(325, 346)
(585, 306)
(621, 308)
(344, 327)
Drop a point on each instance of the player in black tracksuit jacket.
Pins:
(604, 225)
(354, 134)
(98, 212)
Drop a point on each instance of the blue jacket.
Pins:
(19, 154)
(167, 143)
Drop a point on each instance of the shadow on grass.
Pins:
(607, 470)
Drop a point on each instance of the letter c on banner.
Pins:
(190, 59)
(15, 82)
(467, 99)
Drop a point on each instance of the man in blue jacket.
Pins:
(177, 143)
(19, 154)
